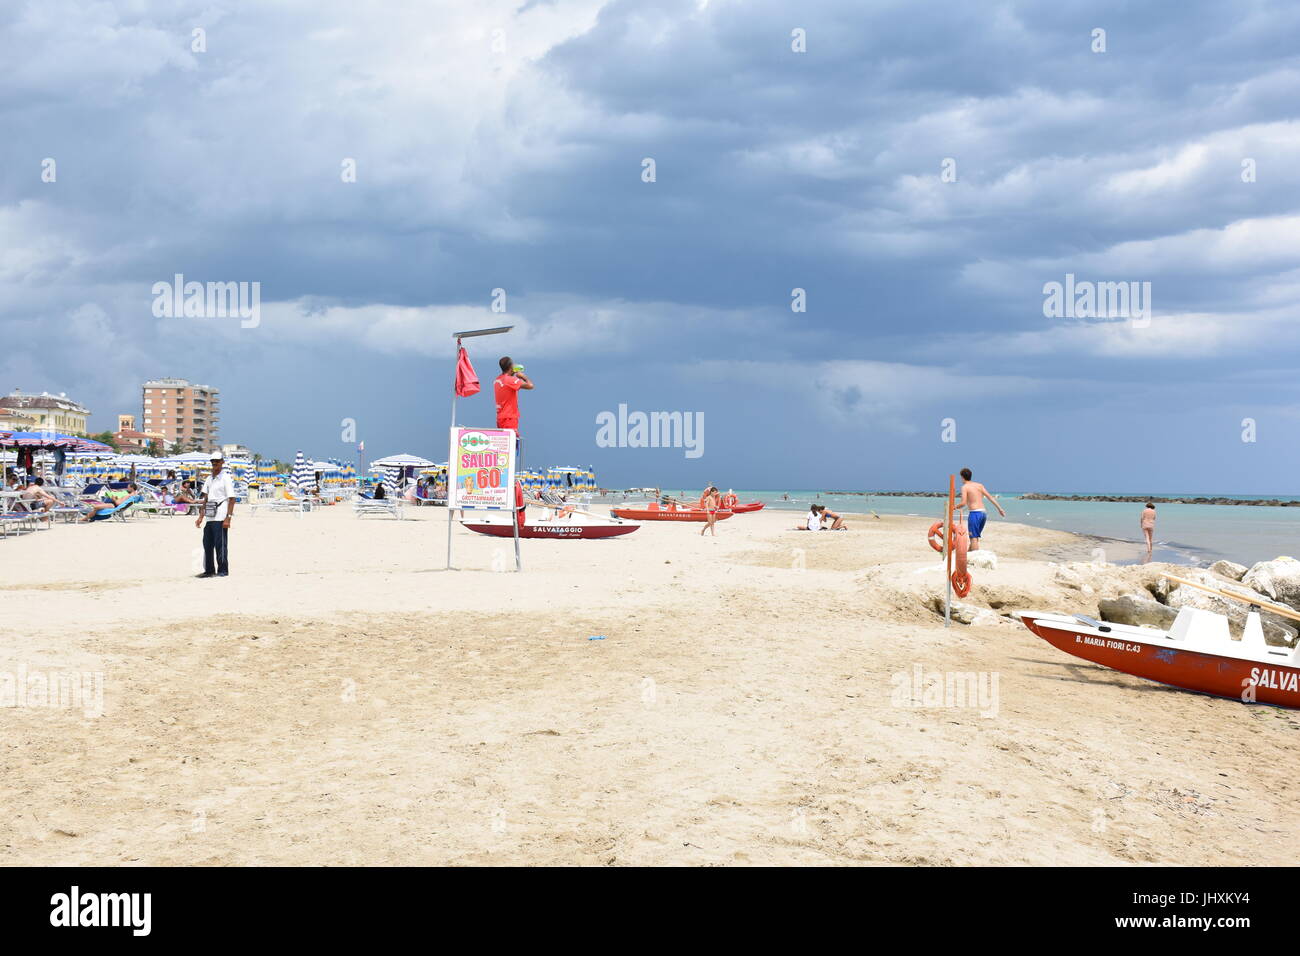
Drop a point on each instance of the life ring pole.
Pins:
(947, 552)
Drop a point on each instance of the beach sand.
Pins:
(342, 700)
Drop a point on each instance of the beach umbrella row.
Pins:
(569, 478)
(558, 478)
(51, 440)
(108, 466)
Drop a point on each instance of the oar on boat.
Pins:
(1278, 609)
(555, 507)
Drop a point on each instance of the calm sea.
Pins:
(1185, 534)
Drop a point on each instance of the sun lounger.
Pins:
(67, 506)
(120, 512)
(285, 503)
(154, 504)
(391, 507)
(16, 515)
(32, 509)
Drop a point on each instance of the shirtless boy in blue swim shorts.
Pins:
(972, 499)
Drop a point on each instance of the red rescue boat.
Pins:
(562, 529)
(653, 511)
(564, 524)
(1196, 653)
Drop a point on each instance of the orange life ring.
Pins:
(935, 536)
(961, 579)
(729, 500)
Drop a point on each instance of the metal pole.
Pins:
(451, 465)
(519, 562)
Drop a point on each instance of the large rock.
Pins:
(1228, 569)
(1136, 610)
(1075, 576)
(1279, 579)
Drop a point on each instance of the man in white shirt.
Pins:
(217, 506)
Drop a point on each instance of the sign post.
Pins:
(481, 474)
(451, 462)
(947, 552)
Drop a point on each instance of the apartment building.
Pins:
(186, 414)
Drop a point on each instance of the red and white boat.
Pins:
(747, 508)
(654, 511)
(570, 527)
(1196, 653)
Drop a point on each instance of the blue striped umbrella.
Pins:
(244, 474)
(304, 477)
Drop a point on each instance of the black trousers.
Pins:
(214, 546)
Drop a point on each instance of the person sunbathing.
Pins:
(92, 510)
(185, 497)
(37, 497)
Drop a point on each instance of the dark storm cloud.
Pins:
(520, 167)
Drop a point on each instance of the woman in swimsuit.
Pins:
(709, 502)
(1149, 525)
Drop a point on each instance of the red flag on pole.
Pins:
(466, 379)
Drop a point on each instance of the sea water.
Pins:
(1185, 534)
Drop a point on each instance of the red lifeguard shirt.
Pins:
(506, 388)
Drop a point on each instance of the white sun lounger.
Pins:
(369, 507)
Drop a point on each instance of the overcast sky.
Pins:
(500, 145)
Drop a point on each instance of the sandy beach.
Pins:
(341, 699)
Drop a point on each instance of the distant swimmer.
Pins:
(972, 499)
(1149, 525)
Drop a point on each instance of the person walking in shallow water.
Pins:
(1149, 525)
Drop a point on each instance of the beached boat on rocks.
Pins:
(1196, 653)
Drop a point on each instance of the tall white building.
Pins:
(187, 414)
